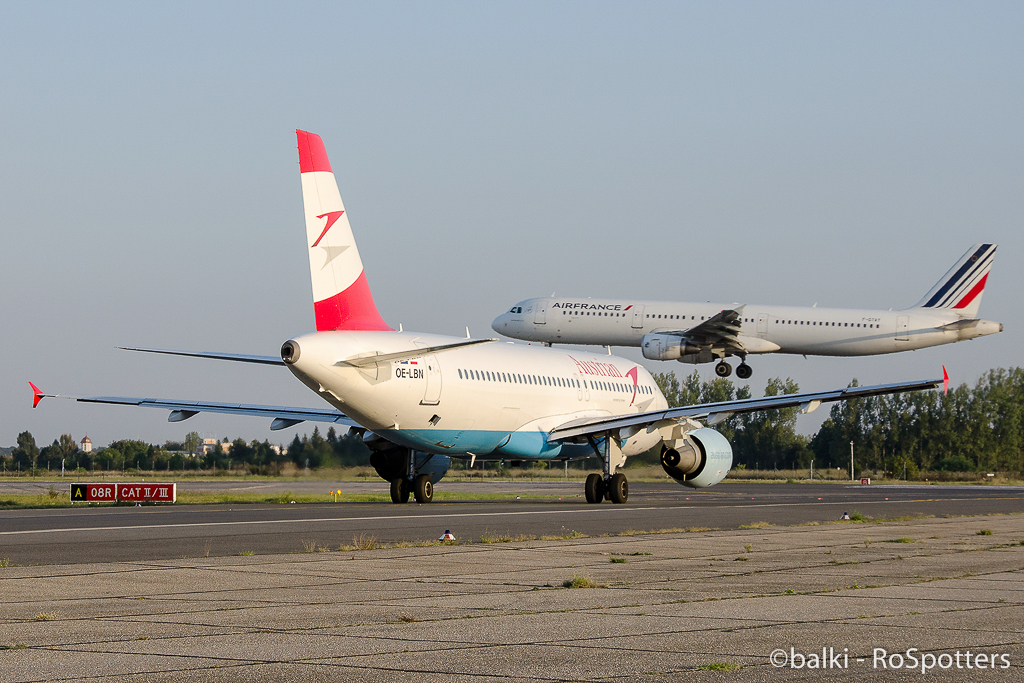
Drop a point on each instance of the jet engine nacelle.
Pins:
(392, 463)
(657, 346)
(700, 458)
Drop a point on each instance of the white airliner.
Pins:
(693, 332)
(420, 399)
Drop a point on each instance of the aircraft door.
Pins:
(432, 394)
(762, 324)
(540, 315)
(579, 386)
(903, 328)
(638, 318)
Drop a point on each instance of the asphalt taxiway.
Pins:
(124, 534)
(739, 605)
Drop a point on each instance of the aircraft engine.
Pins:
(391, 463)
(700, 458)
(666, 347)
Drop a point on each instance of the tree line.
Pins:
(978, 428)
(968, 429)
(255, 457)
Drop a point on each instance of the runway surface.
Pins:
(124, 534)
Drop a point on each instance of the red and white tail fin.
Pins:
(341, 295)
(960, 289)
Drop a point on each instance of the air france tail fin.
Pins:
(341, 295)
(961, 288)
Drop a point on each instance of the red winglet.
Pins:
(312, 154)
(37, 394)
(945, 381)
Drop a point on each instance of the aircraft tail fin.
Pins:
(960, 289)
(341, 295)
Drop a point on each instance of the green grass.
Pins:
(983, 532)
(756, 525)
(905, 539)
(246, 553)
(580, 581)
(617, 560)
(45, 616)
(719, 666)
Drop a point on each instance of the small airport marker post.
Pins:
(447, 536)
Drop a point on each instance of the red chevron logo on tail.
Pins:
(332, 218)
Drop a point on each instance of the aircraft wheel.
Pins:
(423, 488)
(744, 371)
(594, 488)
(399, 491)
(723, 369)
(618, 488)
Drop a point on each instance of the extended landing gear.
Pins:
(399, 491)
(723, 369)
(615, 488)
(594, 488)
(423, 488)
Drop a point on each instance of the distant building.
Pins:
(86, 444)
(208, 446)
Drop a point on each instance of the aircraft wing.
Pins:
(282, 416)
(717, 412)
(721, 329)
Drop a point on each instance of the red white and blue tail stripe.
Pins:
(961, 288)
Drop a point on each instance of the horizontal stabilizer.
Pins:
(238, 357)
(367, 361)
(283, 416)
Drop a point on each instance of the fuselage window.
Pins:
(460, 374)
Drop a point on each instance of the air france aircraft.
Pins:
(692, 332)
(419, 400)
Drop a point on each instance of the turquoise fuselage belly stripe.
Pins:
(482, 443)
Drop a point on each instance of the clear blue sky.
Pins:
(791, 153)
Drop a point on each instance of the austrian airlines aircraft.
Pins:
(421, 399)
(692, 332)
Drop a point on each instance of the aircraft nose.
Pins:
(500, 323)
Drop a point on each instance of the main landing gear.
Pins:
(723, 369)
(615, 489)
(612, 485)
(421, 488)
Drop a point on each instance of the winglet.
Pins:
(945, 381)
(37, 394)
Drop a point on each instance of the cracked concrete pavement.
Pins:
(669, 604)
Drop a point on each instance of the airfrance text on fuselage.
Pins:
(593, 307)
